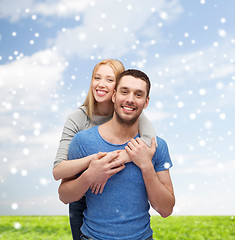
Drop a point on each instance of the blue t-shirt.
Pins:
(121, 211)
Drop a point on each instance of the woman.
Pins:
(97, 109)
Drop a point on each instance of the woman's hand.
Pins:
(103, 166)
(123, 155)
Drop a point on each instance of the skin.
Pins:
(103, 86)
(129, 101)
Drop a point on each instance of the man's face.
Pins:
(130, 99)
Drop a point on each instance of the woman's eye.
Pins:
(97, 78)
(110, 80)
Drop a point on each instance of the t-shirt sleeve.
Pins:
(146, 129)
(73, 151)
(74, 123)
(162, 159)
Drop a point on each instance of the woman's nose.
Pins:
(101, 83)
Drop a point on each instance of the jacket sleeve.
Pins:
(146, 129)
(75, 122)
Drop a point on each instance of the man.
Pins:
(121, 211)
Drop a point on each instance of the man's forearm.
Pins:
(161, 196)
(73, 190)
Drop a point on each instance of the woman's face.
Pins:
(103, 83)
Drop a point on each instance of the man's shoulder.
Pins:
(162, 148)
(161, 142)
(162, 157)
(84, 133)
(84, 137)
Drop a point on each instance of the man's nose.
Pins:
(130, 97)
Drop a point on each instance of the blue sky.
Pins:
(47, 52)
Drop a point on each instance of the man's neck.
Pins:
(104, 109)
(116, 133)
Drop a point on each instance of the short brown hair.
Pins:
(136, 74)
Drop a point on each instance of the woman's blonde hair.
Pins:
(90, 101)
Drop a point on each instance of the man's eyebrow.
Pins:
(122, 87)
(140, 91)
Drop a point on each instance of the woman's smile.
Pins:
(101, 93)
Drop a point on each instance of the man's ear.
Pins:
(114, 96)
(146, 102)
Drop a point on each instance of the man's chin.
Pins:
(127, 120)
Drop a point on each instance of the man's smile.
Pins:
(129, 108)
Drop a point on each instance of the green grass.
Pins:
(194, 228)
(171, 228)
(34, 227)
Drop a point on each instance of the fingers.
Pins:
(153, 143)
(130, 145)
(116, 170)
(117, 151)
(102, 187)
(110, 157)
(128, 150)
(101, 154)
(116, 163)
(134, 143)
(96, 188)
(138, 140)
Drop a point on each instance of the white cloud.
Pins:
(104, 32)
(201, 204)
(197, 65)
(25, 81)
(177, 75)
(15, 10)
(26, 85)
(41, 152)
(67, 8)
(208, 166)
(107, 27)
(62, 8)
(155, 115)
(25, 8)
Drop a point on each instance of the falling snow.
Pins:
(47, 56)
(14, 206)
(17, 225)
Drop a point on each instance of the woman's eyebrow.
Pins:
(110, 76)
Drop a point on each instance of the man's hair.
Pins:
(136, 74)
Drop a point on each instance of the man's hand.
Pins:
(140, 153)
(102, 167)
